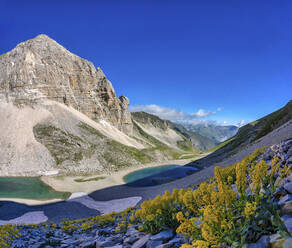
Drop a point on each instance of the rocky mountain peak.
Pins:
(41, 69)
(43, 37)
(43, 43)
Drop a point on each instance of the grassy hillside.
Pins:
(91, 144)
(145, 118)
(185, 146)
(257, 129)
(70, 150)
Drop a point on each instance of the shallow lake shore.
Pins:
(69, 183)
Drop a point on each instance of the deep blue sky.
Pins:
(186, 55)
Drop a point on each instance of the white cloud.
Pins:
(224, 122)
(219, 109)
(199, 121)
(203, 113)
(170, 113)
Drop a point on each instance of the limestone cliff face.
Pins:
(41, 69)
(60, 114)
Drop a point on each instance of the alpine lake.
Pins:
(28, 188)
(157, 175)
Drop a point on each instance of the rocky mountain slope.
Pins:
(61, 114)
(157, 128)
(161, 130)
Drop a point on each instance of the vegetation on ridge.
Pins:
(82, 180)
(231, 209)
(7, 234)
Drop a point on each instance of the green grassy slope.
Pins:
(91, 144)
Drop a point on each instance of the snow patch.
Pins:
(76, 195)
(105, 123)
(48, 173)
(106, 207)
(35, 217)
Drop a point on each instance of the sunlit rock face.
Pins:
(41, 69)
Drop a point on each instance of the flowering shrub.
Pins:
(7, 234)
(233, 208)
(87, 225)
(121, 221)
(160, 213)
(125, 220)
(69, 227)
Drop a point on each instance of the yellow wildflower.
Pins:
(150, 217)
(201, 244)
(241, 180)
(258, 172)
(250, 209)
(186, 246)
(132, 218)
(159, 211)
(180, 216)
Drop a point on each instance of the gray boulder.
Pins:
(287, 208)
(141, 243)
(164, 236)
(288, 224)
(153, 243)
(288, 187)
(285, 199)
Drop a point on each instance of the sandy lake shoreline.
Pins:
(68, 183)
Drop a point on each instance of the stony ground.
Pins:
(97, 238)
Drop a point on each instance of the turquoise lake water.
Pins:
(157, 175)
(28, 188)
(139, 174)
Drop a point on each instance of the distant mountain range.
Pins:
(218, 133)
(207, 135)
